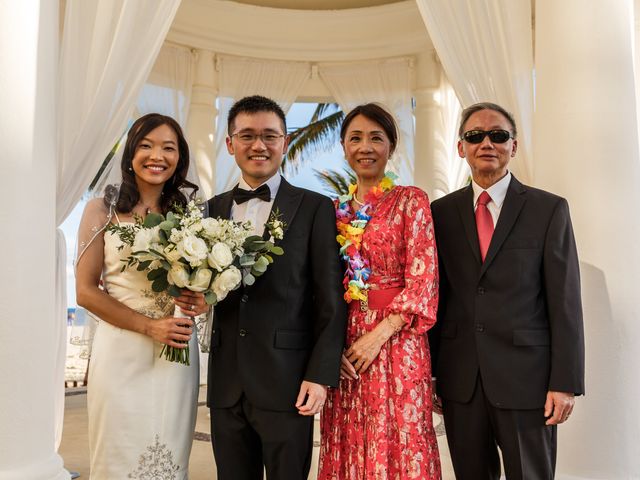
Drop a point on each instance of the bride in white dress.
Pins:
(142, 408)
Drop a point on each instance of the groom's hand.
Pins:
(315, 395)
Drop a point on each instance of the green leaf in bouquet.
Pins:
(261, 264)
(269, 258)
(247, 260)
(156, 273)
(156, 253)
(165, 264)
(152, 220)
(249, 279)
(210, 297)
(166, 226)
(174, 291)
(143, 265)
(171, 217)
(160, 284)
(276, 250)
(253, 243)
(164, 236)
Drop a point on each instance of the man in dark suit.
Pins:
(276, 345)
(508, 349)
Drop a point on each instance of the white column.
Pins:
(28, 61)
(586, 149)
(427, 78)
(201, 125)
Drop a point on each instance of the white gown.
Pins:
(142, 408)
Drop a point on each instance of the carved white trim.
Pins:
(304, 35)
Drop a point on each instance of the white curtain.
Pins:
(240, 77)
(167, 90)
(486, 50)
(451, 171)
(387, 82)
(108, 49)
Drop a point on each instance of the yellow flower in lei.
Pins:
(350, 233)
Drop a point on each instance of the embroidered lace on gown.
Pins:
(380, 426)
(142, 408)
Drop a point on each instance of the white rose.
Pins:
(171, 254)
(211, 227)
(195, 227)
(225, 282)
(220, 256)
(278, 233)
(178, 275)
(200, 280)
(192, 249)
(144, 238)
(176, 235)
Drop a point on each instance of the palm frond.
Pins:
(319, 136)
(335, 183)
(321, 111)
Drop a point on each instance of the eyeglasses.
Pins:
(477, 136)
(247, 138)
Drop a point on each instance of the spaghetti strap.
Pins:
(116, 215)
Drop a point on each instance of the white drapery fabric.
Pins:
(239, 77)
(486, 50)
(387, 82)
(451, 171)
(107, 51)
(167, 90)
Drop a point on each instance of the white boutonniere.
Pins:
(275, 225)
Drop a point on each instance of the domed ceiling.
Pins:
(317, 4)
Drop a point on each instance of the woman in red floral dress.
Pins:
(378, 423)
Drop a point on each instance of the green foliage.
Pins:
(336, 183)
(320, 135)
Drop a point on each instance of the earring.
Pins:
(130, 169)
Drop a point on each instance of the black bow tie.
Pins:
(240, 195)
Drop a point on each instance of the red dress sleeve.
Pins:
(418, 301)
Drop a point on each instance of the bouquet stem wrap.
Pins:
(173, 354)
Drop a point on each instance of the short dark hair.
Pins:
(476, 107)
(128, 195)
(255, 104)
(375, 113)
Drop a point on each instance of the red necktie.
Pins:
(484, 223)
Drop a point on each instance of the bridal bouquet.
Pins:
(208, 255)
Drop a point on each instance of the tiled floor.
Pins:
(75, 451)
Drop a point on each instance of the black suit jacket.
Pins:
(516, 318)
(290, 325)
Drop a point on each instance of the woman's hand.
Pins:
(192, 303)
(365, 350)
(347, 370)
(172, 331)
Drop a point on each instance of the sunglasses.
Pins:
(477, 136)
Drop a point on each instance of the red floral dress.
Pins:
(380, 426)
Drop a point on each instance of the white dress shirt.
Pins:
(256, 210)
(497, 192)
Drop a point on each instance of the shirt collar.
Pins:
(497, 191)
(273, 183)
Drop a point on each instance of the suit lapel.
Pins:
(220, 206)
(286, 203)
(513, 203)
(465, 209)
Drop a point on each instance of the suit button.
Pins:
(245, 298)
(481, 290)
(479, 327)
(243, 332)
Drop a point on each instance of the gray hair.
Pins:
(476, 107)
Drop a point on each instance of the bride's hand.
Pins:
(171, 331)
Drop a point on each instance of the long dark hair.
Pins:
(128, 196)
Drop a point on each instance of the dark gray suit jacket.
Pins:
(516, 318)
(290, 325)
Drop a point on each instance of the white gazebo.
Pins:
(74, 72)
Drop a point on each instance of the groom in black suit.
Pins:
(508, 348)
(277, 344)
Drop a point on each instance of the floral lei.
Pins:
(350, 232)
